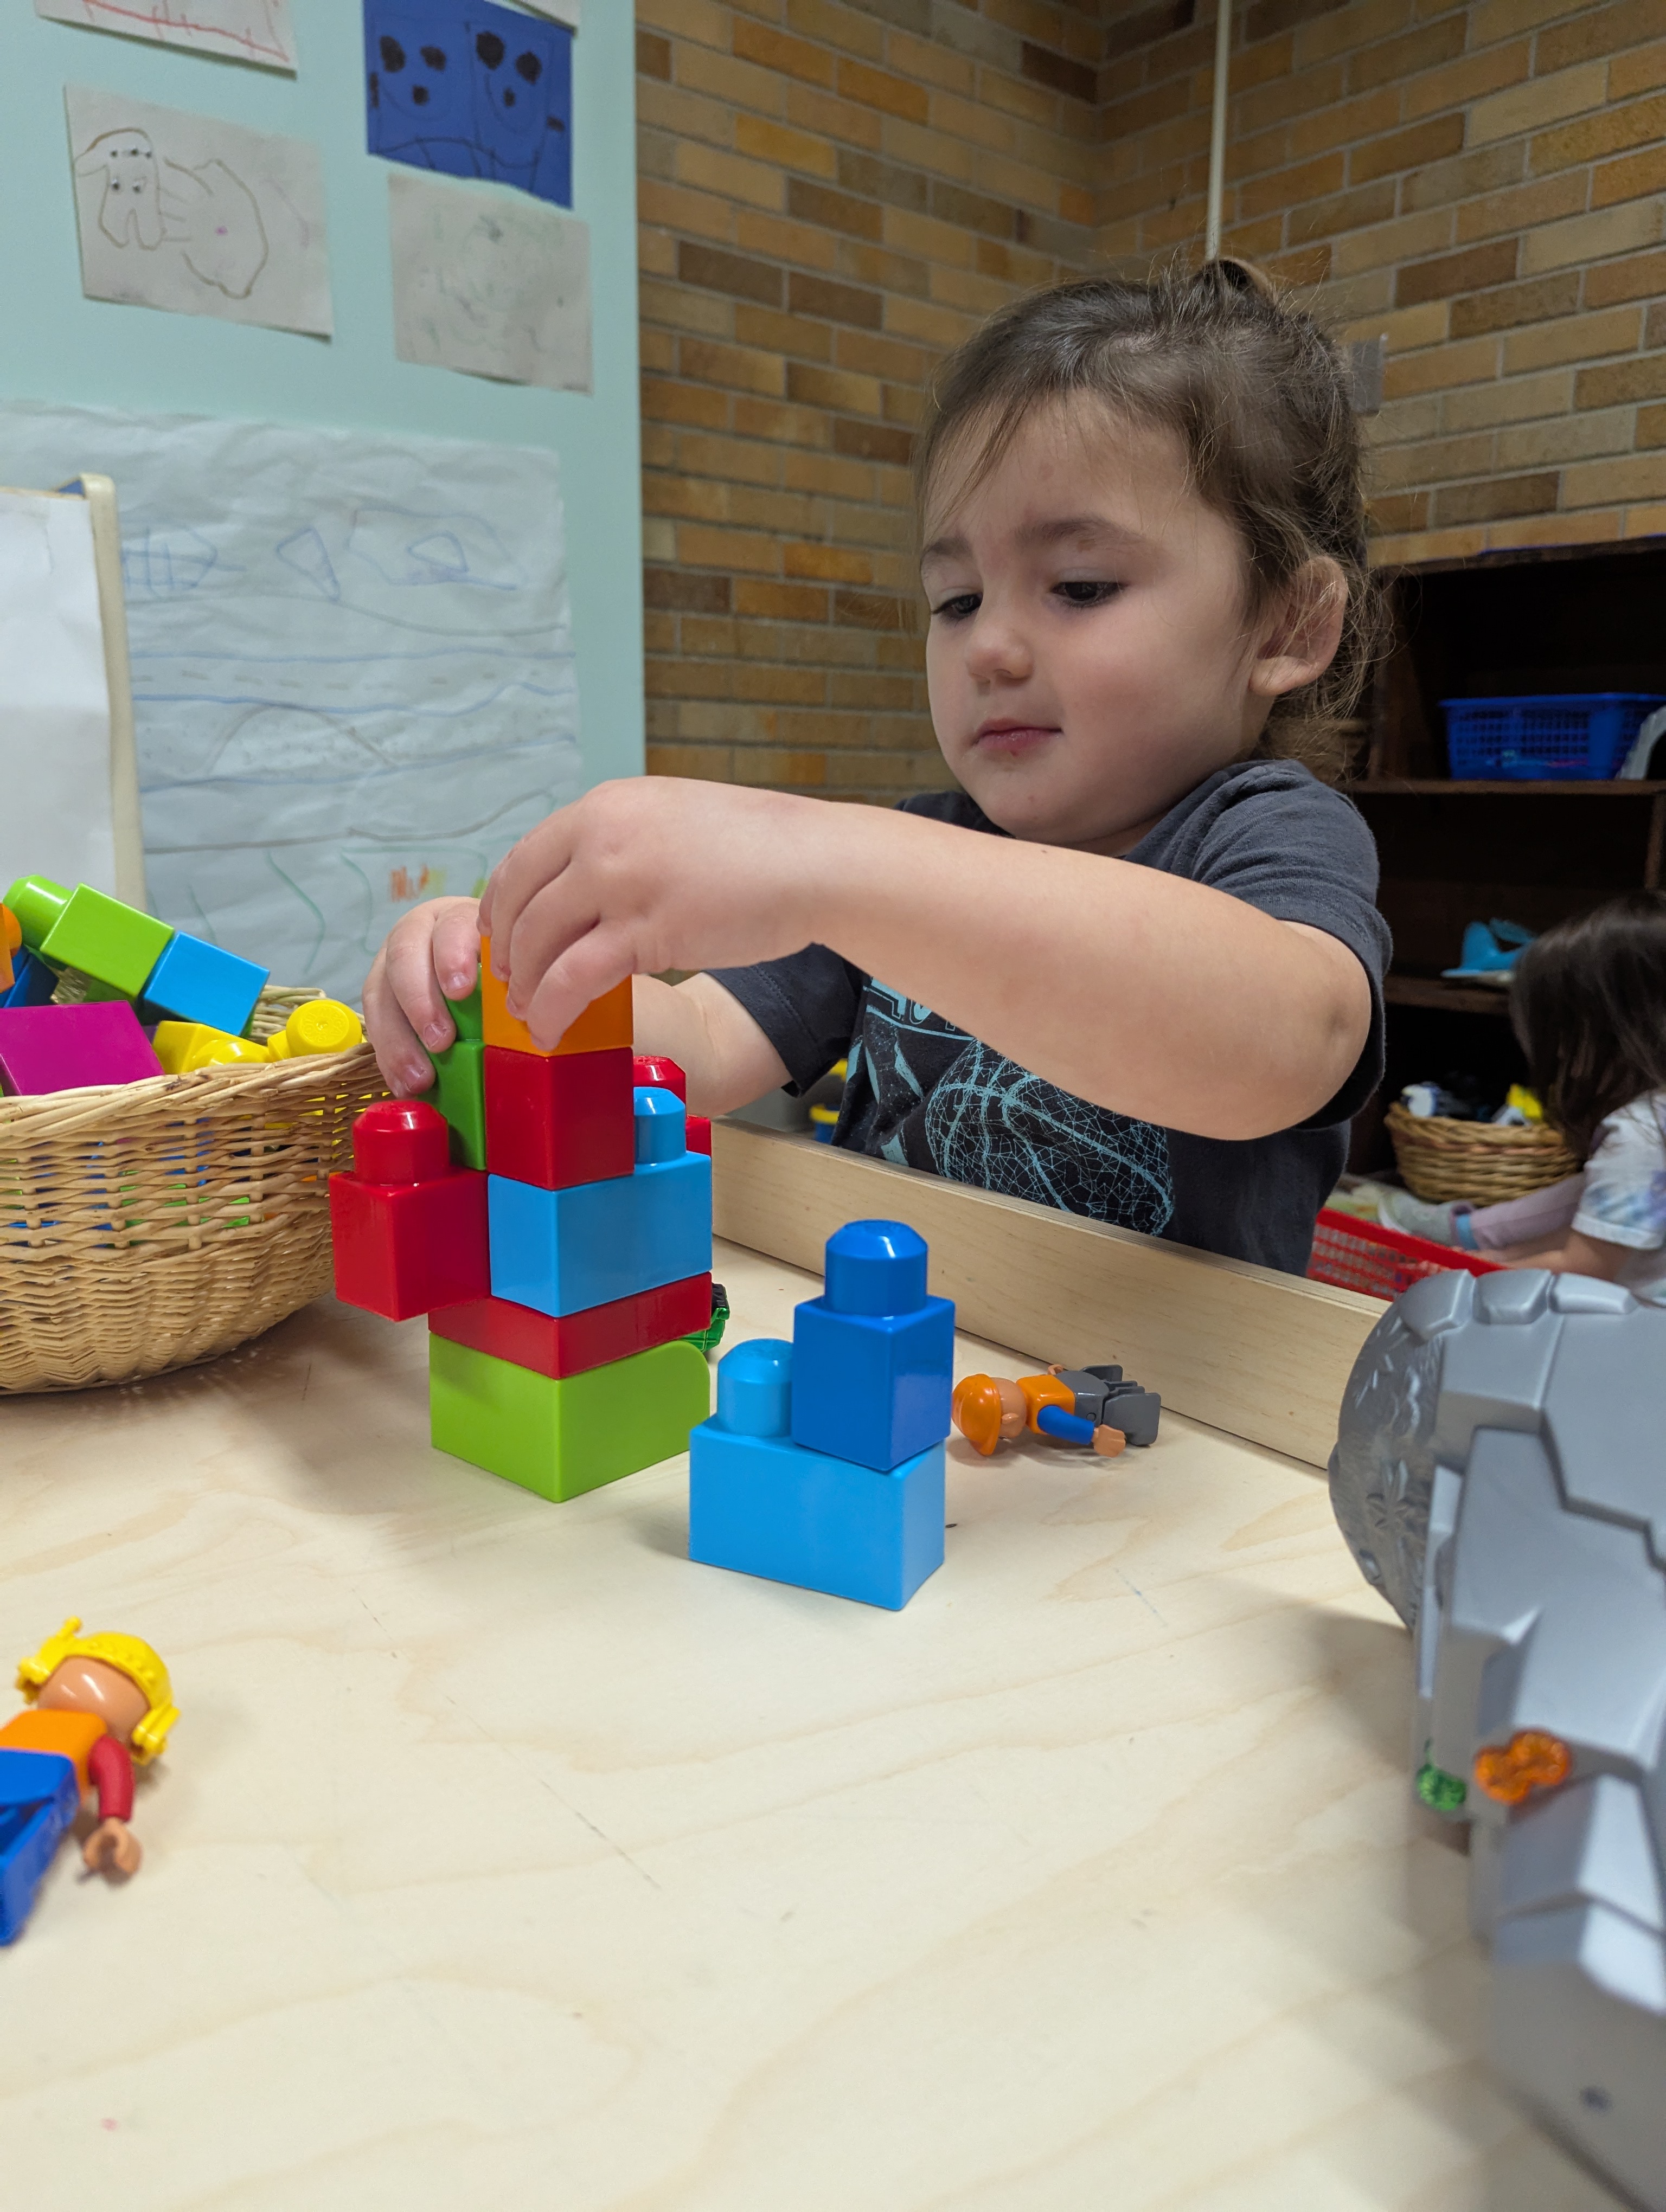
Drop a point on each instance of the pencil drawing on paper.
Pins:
(247, 30)
(209, 213)
(196, 215)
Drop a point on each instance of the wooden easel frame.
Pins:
(1261, 1355)
(100, 494)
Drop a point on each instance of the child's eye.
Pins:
(1078, 591)
(962, 605)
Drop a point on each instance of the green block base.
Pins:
(562, 1438)
(459, 1090)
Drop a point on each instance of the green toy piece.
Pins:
(562, 1438)
(459, 1090)
(112, 944)
(466, 1013)
(708, 1339)
(1440, 1791)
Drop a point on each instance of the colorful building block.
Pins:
(409, 1229)
(604, 1026)
(83, 928)
(761, 1504)
(562, 1250)
(699, 1137)
(45, 1048)
(654, 1072)
(562, 1437)
(466, 1015)
(32, 982)
(196, 982)
(559, 1345)
(873, 1356)
(560, 1119)
(459, 1090)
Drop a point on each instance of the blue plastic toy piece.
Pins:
(761, 1504)
(563, 1251)
(1069, 1428)
(873, 1356)
(33, 982)
(196, 982)
(39, 1798)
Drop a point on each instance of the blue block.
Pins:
(761, 1504)
(39, 1798)
(561, 1251)
(873, 1356)
(32, 982)
(198, 982)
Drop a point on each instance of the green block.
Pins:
(466, 1013)
(112, 943)
(562, 1438)
(459, 1090)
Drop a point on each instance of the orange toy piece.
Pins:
(988, 1410)
(1532, 1760)
(11, 940)
(604, 1024)
(1041, 1390)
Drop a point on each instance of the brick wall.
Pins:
(1483, 183)
(830, 195)
(834, 192)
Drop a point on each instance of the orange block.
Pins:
(604, 1024)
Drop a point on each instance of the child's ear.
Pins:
(1302, 631)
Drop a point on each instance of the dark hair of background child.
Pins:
(1259, 396)
(1589, 1003)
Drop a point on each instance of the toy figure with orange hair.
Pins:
(1092, 1406)
(95, 1707)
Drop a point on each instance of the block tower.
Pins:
(822, 1464)
(548, 1214)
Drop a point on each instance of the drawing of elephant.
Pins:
(131, 211)
(214, 217)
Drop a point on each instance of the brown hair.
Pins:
(1589, 1003)
(1258, 394)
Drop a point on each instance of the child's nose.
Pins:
(997, 648)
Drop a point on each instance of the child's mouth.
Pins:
(1012, 740)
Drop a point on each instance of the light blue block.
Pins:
(561, 1251)
(761, 1504)
(196, 982)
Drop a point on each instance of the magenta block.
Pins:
(64, 1048)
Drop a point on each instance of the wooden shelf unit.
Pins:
(1540, 620)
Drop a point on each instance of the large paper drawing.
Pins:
(472, 90)
(565, 11)
(495, 286)
(248, 30)
(198, 217)
(352, 668)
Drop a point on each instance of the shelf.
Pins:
(1449, 998)
(1435, 786)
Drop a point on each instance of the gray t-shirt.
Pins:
(924, 1093)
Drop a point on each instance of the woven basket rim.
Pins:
(58, 1113)
(1445, 1129)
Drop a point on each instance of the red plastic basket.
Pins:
(1352, 1255)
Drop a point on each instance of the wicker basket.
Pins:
(1442, 1159)
(144, 1227)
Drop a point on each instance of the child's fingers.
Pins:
(595, 963)
(537, 862)
(406, 1068)
(457, 948)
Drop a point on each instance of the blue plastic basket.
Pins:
(1583, 734)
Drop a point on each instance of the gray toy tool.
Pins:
(1500, 1476)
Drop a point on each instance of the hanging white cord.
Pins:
(1218, 129)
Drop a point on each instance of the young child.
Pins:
(1132, 967)
(1589, 1002)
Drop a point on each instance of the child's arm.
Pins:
(432, 953)
(1576, 1254)
(1142, 992)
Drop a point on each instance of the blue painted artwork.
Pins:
(471, 90)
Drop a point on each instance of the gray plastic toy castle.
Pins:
(1500, 1476)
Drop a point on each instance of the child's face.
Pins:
(1088, 660)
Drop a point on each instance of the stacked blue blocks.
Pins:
(561, 1251)
(822, 1464)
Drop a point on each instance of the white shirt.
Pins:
(1624, 1200)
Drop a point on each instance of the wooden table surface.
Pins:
(502, 1857)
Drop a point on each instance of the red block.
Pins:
(697, 1134)
(409, 1229)
(559, 1119)
(573, 1343)
(659, 1073)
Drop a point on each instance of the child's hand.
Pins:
(432, 953)
(649, 874)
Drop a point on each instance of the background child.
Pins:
(1589, 1001)
(1132, 967)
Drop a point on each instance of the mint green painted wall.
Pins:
(56, 346)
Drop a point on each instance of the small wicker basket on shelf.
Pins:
(1441, 1159)
(145, 1226)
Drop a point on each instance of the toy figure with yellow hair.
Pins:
(95, 1707)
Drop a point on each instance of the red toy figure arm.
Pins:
(110, 1771)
